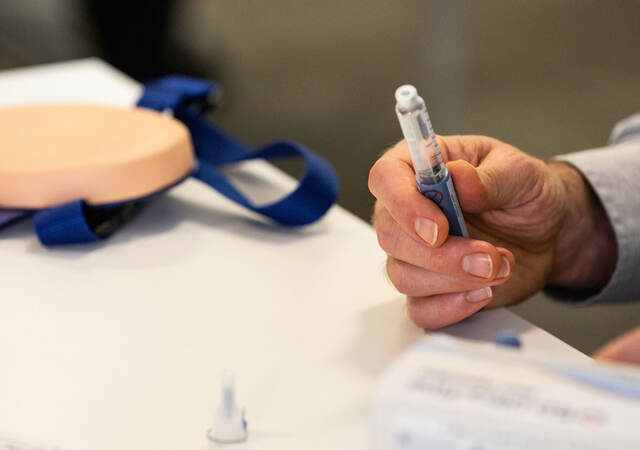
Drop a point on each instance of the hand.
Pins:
(531, 223)
(625, 348)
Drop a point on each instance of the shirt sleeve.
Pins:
(614, 174)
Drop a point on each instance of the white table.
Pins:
(119, 345)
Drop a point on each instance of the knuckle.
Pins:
(375, 173)
(413, 311)
(423, 312)
(400, 277)
(422, 315)
(387, 233)
(378, 211)
(434, 259)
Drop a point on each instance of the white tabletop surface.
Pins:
(119, 345)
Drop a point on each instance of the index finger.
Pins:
(392, 182)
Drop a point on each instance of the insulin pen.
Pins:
(432, 175)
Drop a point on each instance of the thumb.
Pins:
(503, 179)
(472, 191)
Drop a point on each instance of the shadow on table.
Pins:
(163, 214)
(484, 325)
(385, 331)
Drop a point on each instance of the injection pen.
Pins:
(432, 175)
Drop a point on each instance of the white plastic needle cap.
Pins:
(407, 97)
(229, 425)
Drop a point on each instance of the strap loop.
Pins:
(318, 188)
(65, 224)
(188, 98)
(76, 222)
(178, 92)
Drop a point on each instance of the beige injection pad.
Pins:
(53, 154)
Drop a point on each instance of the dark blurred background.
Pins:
(550, 76)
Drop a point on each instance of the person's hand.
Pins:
(625, 348)
(531, 223)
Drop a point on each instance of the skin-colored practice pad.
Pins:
(50, 155)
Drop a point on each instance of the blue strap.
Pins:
(318, 188)
(77, 222)
(188, 98)
(65, 224)
(179, 92)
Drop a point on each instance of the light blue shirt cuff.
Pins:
(614, 174)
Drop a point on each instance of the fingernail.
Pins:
(427, 230)
(478, 295)
(505, 268)
(478, 264)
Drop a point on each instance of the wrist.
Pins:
(585, 250)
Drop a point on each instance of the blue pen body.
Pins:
(444, 195)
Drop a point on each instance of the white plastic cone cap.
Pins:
(229, 425)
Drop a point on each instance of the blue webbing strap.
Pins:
(77, 221)
(318, 188)
(64, 224)
(188, 97)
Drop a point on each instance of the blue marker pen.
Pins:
(432, 174)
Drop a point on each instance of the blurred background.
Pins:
(550, 77)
